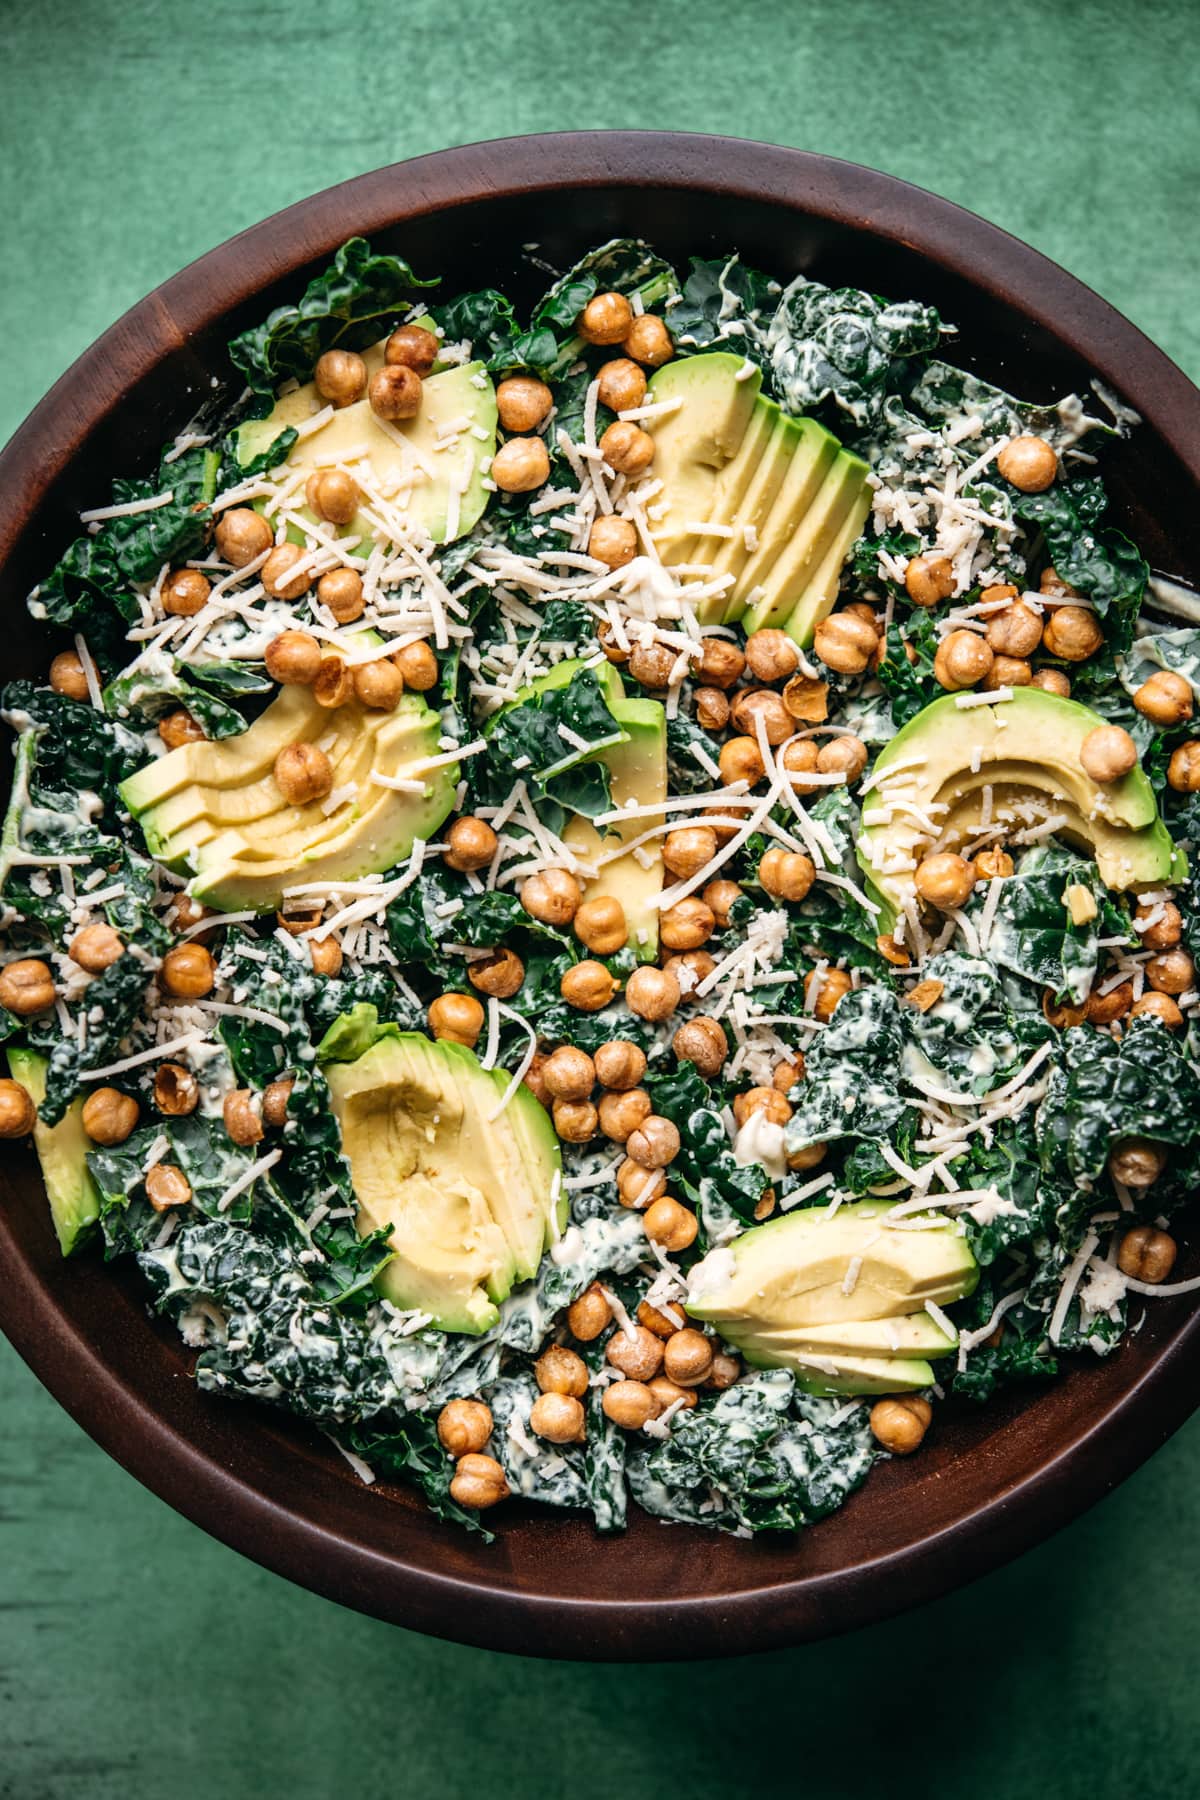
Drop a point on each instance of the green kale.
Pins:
(622, 266)
(719, 301)
(851, 1085)
(911, 685)
(844, 346)
(412, 1449)
(1103, 1091)
(1014, 1359)
(1033, 933)
(687, 745)
(530, 738)
(1100, 562)
(485, 320)
(1009, 1165)
(483, 920)
(705, 1169)
(235, 470)
(196, 686)
(113, 1002)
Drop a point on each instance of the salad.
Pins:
(600, 898)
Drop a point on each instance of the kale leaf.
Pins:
(484, 319)
(1102, 563)
(718, 302)
(530, 738)
(851, 1085)
(844, 346)
(1033, 933)
(911, 685)
(705, 1168)
(622, 266)
(1103, 1091)
(151, 693)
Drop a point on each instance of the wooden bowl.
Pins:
(989, 1482)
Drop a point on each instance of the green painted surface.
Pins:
(137, 1658)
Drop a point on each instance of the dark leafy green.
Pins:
(718, 301)
(1099, 561)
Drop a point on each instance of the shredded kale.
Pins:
(843, 346)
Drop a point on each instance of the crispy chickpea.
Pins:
(325, 955)
(187, 912)
(588, 1315)
(243, 1120)
(600, 924)
(688, 1357)
(799, 760)
(900, 1422)
(614, 652)
(613, 542)
(1052, 681)
(1183, 770)
(1008, 672)
(412, 347)
(669, 1225)
(1165, 697)
(622, 385)
(767, 1100)
(340, 592)
(464, 1427)
(1072, 633)
(711, 708)
(686, 925)
(1167, 928)
(457, 1018)
(533, 1079)
(523, 403)
(561, 1371)
(845, 756)
(470, 843)
(109, 1116)
(630, 1404)
(188, 972)
(845, 642)
(333, 495)
(588, 986)
(626, 448)
(963, 660)
(992, 865)
(891, 951)
(340, 377)
(521, 465)
(185, 592)
(242, 535)
(1016, 631)
(1171, 972)
(559, 1418)
(478, 1482)
(68, 676)
(622, 1112)
(668, 1393)
(689, 969)
(18, 1114)
(1146, 1254)
(664, 1322)
(1029, 463)
(279, 574)
(944, 880)
(771, 655)
(724, 1372)
(686, 850)
(638, 1354)
(569, 1074)
(753, 704)
(97, 947)
(787, 1075)
(26, 987)
(655, 1143)
(652, 993)
(179, 727)
(702, 1042)
(648, 341)
(1158, 1006)
(1060, 1013)
(651, 664)
(378, 685)
(831, 985)
(721, 664)
(807, 700)
(1107, 753)
(303, 774)
(418, 665)
(552, 895)
(167, 1186)
(929, 579)
(575, 1121)
(606, 319)
(1137, 1162)
(293, 658)
(395, 393)
(740, 759)
(620, 1065)
(720, 897)
(498, 974)
(637, 1186)
(1103, 1009)
(786, 874)
(275, 1098)
(1052, 583)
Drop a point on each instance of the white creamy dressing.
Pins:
(760, 1140)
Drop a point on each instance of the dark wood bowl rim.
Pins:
(279, 1535)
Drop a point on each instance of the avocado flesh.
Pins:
(409, 463)
(817, 1373)
(694, 444)
(215, 810)
(729, 555)
(786, 574)
(807, 454)
(733, 481)
(62, 1152)
(911, 1335)
(466, 1197)
(820, 593)
(1028, 746)
(855, 1356)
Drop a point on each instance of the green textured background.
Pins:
(137, 1657)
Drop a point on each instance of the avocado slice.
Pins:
(693, 444)
(431, 468)
(809, 453)
(839, 1373)
(820, 591)
(215, 810)
(465, 1191)
(1026, 746)
(798, 551)
(734, 480)
(62, 1151)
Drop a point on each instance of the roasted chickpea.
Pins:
(569, 1074)
(243, 1120)
(1146, 1254)
(26, 987)
(1171, 972)
(669, 1225)
(1158, 1006)
(630, 1404)
(552, 895)
(617, 655)
(588, 987)
(637, 1186)
(767, 1100)
(1072, 633)
(303, 774)
(668, 1393)
(686, 925)
(1051, 681)
(613, 542)
(606, 319)
(1104, 1008)
(944, 880)
(963, 660)
(786, 874)
(281, 576)
(575, 1121)
(1052, 584)
(325, 954)
(521, 465)
(185, 592)
(559, 1418)
(721, 664)
(1008, 672)
(458, 1018)
(891, 951)
(831, 985)
(1060, 1013)
(186, 912)
(1137, 1162)
(771, 655)
(109, 1116)
(799, 759)
(533, 1079)
(622, 1112)
(498, 974)
(929, 579)
(523, 402)
(340, 377)
(648, 341)
(1183, 770)
(1107, 753)
(845, 642)
(754, 704)
(275, 1098)
(588, 1315)
(620, 1065)
(702, 1041)
(340, 592)
(655, 1143)
(686, 850)
(1029, 463)
(68, 676)
(992, 865)
(652, 993)
(333, 495)
(188, 972)
(740, 759)
(18, 1114)
(561, 1371)
(688, 1357)
(664, 1322)
(807, 700)
(1017, 630)
(1167, 928)
(622, 385)
(293, 658)
(395, 393)
(724, 1372)
(601, 925)
(167, 1186)
(1165, 697)
(377, 685)
(627, 449)
(470, 843)
(720, 897)
(418, 665)
(711, 708)
(689, 970)
(900, 1423)
(242, 535)
(845, 756)
(97, 947)
(464, 1427)
(652, 664)
(179, 727)
(412, 347)
(478, 1482)
(638, 1354)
